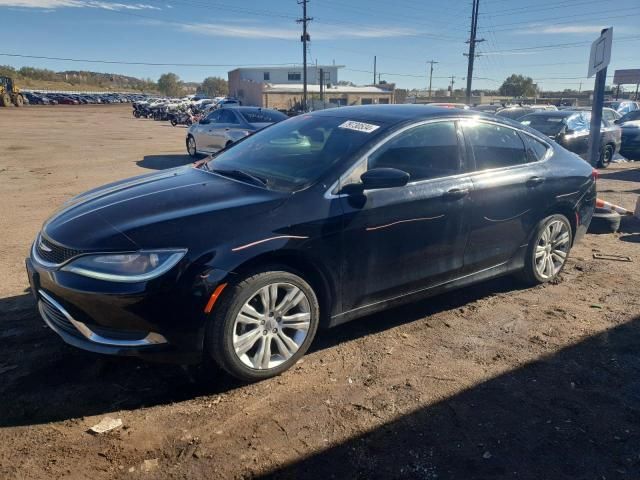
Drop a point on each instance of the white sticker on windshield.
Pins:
(359, 126)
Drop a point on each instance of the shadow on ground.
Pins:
(627, 175)
(573, 415)
(162, 162)
(45, 380)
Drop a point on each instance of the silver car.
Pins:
(222, 127)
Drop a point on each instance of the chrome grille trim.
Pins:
(58, 319)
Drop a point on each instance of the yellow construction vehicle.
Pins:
(9, 93)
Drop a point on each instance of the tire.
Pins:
(136, 114)
(605, 157)
(553, 250)
(173, 122)
(263, 332)
(5, 100)
(18, 100)
(192, 149)
(604, 221)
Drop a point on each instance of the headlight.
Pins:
(126, 267)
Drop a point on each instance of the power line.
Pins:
(152, 64)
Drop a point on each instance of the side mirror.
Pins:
(384, 178)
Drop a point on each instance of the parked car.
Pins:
(623, 106)
(311, 222)
(630, 136)
(487, 108)
(571, 130)
(224, 126)
(514, 113)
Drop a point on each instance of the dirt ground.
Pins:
(494, 381)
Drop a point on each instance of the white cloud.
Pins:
(287, 33)
(52, 4)
(537, 29)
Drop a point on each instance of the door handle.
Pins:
(456, 193)
(535, 181)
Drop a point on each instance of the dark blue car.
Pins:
(309, 223)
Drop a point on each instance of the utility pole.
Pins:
(472, 47)
(452, 82)
(580, 88)
(322, 86)
(430, 75)
(374, 69)
(304, 38)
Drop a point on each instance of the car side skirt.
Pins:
(516, 263)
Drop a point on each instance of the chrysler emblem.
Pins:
(43, 247)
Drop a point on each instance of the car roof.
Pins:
(553, 113)
(396, 113)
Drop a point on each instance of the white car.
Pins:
(224, 126)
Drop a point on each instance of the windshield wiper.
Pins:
(241, 175)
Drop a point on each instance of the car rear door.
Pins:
(509, 194)
(406, 239)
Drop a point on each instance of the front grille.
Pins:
(53, 253)
(56, 317)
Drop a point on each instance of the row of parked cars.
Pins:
(570, 126)
(52, 98)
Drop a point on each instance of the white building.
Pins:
(280, 75)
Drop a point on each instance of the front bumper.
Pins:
(155, 320)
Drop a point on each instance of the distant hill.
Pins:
(29, 77)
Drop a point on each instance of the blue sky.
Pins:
(545, 39)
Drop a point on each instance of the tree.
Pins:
(170, 84)
(518, 86)
(215, 87)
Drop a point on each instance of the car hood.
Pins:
(630, 124)
(180, 207)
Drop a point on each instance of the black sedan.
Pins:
(630, 125)
(571, 130)
(309, 223)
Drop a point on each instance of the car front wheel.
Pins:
(548, 251)
(263, 324)
(191, 146)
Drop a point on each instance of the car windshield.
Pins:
(262, 116)
(295, 153)
(549, 125)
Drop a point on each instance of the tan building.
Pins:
(281, 88)
(284, 97)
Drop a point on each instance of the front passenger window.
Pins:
(426, 151)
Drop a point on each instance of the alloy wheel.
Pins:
(191, 146)
(271, 326)
(552, 249)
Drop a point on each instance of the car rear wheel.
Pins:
(548, 251)
(5, 100)
(191, 146)
(606, 157)
(263, 324)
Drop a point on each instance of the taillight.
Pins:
(595, 174)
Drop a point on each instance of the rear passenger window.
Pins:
(536, 150)
(494, 146)
(426, 151)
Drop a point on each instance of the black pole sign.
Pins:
(598, 61)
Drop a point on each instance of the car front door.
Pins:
(202, 131)
(509, 194)
(228, 128)
(405, 239)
